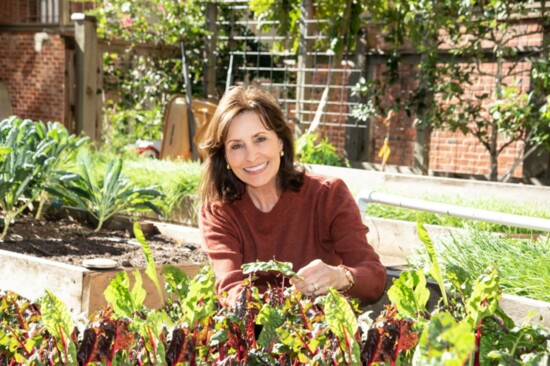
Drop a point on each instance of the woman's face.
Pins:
(253, 152)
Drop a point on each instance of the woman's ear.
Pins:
(281, 144)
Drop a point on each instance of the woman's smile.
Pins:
(256, 169)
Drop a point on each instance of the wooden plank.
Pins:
(520, 308)
(97, 281)
(31, 276)
(87, 119)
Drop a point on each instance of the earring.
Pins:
(227, 166)
(282, 153)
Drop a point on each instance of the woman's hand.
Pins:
(318, 277)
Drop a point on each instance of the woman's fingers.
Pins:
(317, 278)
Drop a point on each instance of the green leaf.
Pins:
(176, 281)
(58, 322)
(445, 342)
(151, 270)
(483, 301)
(343, 323)
(200, 302)
(409, 293)
(125, 302)
(271, 319)
(435, 269)
(284, 268)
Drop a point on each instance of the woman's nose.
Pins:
(251, 153)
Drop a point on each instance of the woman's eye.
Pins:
(236, 146)
(261, 139)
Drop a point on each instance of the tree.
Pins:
(510, 114)
(455, 40)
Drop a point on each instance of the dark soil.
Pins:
(70, 241)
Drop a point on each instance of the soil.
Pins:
(69, 240)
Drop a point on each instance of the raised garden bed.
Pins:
(79, 288)
(49, 255)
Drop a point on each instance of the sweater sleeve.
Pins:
(347, 231)
(220, 242)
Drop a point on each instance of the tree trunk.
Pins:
(422, 148)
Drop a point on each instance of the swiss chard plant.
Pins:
(278, 327)
(105, 196)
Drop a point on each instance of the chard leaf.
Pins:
(435, 269)
(343, 323)
(200, 302)
(151, 270)
(445, 342)
(483, 301)
(125, 302)
(271, 320)
(176, 281)
(284, 268)
(58, 322)
(409, 293)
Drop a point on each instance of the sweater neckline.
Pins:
(248, 201)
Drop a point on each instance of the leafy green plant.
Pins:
(312, 150)
(19, 165)
(104, 198)
(61, 148)
(178, 181)
(278, 327)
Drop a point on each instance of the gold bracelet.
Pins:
(350, 278)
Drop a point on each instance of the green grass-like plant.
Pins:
(522, 263)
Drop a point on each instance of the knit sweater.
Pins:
(321, 221)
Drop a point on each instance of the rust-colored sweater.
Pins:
(321, 221)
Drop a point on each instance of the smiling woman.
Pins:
(258, 205)
(253, 153)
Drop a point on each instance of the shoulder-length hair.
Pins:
(220, 184)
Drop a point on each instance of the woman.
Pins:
(258, 205)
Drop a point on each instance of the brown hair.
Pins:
(220, 184)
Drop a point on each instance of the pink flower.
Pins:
(127, 21)
(160, 8)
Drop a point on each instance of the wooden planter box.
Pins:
(81, 289)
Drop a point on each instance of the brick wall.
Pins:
(35, 81)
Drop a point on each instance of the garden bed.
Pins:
(49, 255)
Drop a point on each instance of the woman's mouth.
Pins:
(256, 169)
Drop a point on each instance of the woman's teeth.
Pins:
(256, 168)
